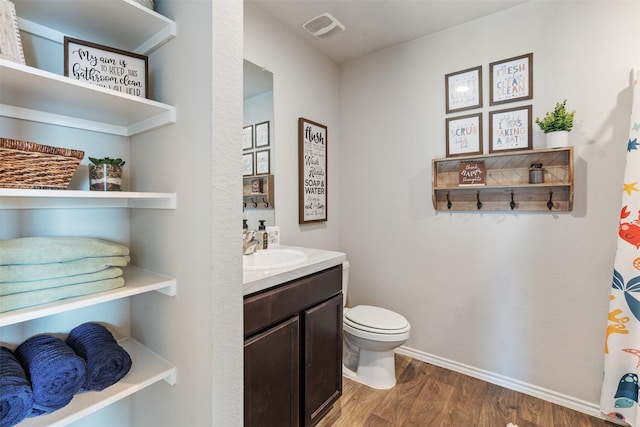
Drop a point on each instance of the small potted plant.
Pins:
(105, 174)
(556, 125)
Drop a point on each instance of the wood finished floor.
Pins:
(426, 395)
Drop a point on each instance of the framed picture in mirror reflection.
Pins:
(262, 134)
(247, 137)
(247, 164)
(262, 162)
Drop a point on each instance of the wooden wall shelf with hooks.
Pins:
(258, 199)
(507, 185)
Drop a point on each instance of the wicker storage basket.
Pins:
(26, 164)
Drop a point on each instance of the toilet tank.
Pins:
(345, 282)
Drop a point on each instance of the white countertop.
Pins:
(317, 260)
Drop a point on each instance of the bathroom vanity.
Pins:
(293, 341)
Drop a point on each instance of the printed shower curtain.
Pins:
(619, 398)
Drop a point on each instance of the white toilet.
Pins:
(371, 334)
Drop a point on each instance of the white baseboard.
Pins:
(549, 395)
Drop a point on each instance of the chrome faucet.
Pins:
(250, 243)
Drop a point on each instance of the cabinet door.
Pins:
(322, 358)
(271, 376)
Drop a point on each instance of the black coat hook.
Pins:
(512, 204)
(449, 204)
(266, 202)
(550, 202)
(479, 204)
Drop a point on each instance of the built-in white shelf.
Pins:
(148, 368)
(137, 281)
(121, 24)
(32, 94)
(12, 198)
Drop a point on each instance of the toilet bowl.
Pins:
(371, 334)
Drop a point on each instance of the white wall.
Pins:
(517, 294)
(200, 329)
(305, 84)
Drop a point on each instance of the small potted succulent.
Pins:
(105, 174)
(556, 125)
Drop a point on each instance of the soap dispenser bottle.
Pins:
(263, 235)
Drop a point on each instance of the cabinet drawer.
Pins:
(276, 304)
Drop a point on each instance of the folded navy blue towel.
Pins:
(55, 371)
(107, 361)
(16, 397)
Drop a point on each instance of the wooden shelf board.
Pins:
(148, 368)
(504, 187)
(137, 281)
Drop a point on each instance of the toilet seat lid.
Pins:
(376, 318)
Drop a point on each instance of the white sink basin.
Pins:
(272, 259)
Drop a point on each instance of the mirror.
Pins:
(258, 151)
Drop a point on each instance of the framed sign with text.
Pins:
(247, 137)
(464, 135)
(312, 171)
(262, 134)
(511, 79)
(103, 66)
(247, 164)
(464, 89)
(262, 162)
(510, 129)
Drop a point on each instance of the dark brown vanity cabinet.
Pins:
(293, 351)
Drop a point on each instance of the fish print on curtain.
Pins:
(619, 398)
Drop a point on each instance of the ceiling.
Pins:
(376, 24)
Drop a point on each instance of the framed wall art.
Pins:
(464, 135)
(511, 79)
(312, 171)
(247, 164)
(104, 66)
(510, 129)
(262, 162)
(262, 134)
(10, 41)
(247, 137)
(464, 89)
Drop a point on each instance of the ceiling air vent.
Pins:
(323, 26)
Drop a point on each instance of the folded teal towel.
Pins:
(43, 250)
(27, 272)
(29, 299)
(36, 285)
